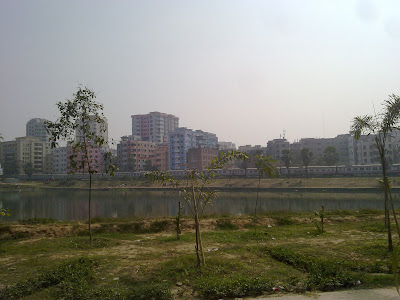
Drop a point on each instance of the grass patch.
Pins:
(222, 287)
(282, 221)
(225, 224)
(36, 221)
(324, 275)
(70, 277)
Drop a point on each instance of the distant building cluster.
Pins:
(158, 143)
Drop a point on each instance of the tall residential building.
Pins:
(15, 154)
(226, 146)
(183, 139)
(133, 153)
(60, 160)
(159, 158)
(154, 126)
(199, 158)
(99, 129)
(276, 146)
(317, 147)
(94, 159)
(37, 127)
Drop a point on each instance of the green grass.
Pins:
(142, 259)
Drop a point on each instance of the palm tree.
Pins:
(287, 158)
(381, 126)
(306, 157)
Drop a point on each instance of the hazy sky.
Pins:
(245, 70)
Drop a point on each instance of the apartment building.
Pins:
(15, 154)
(60, 160)
(183, 139)
(154, 126)
(199, 158)
(98, 129)
(276, 146)
(317, 146)
(132, 153)
(226, 146)
(160, 157)
(79, 165)
(37, 127)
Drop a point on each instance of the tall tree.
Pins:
(306, 157)
(331, 156)
(265, 166)
(77, 115)
(287, 158)
(381, 126)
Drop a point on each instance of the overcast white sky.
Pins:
(245, 70)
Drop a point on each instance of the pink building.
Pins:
(95, 160)
(154, 126)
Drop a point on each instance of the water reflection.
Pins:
(72, 205)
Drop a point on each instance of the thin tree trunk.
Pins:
(255, 208)
(199, 247)
(394, 212)
(387, 216)
(90, 213)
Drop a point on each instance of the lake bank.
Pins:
(223, 184)
(144, 256)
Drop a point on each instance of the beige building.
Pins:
(133, 153)
(14, 155)
(37, 127)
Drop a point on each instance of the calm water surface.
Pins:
(72, 205)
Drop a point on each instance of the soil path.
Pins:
(371, 294)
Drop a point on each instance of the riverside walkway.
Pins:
(370, 294)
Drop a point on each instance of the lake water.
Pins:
(72, 205)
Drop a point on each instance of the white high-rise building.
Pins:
(99, 129)
(154, 126)
(37, 127)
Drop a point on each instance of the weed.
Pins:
(281, 221)
(69, 277)
(150, 291)
(225, 224)
(239, 286)
(158, 226)
(35, 221)
(5, 229)
(87, 244)
(323, 274)
(133, 227)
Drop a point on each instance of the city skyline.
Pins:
(245, 71)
